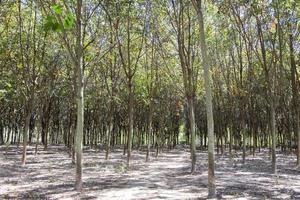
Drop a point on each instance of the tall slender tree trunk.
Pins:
(30, 91)
(45, 121)
(27, 122)
(149, 131)
(158, 142)
(230, 141)
(244, 145)
(255, 132)
(109, 132)
(38, 124)
(269, 77)
(192, 132)
(79, 99)
(25, 137)
(273, 135)
(209, 107)
(130, 123)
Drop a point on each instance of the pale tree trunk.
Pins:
(192, 132)
(111, 89)
(158, 141)
(79, 99)
(209, 108)
(125, 136)
(273, 134)
(72, 147)
(109, 133)
(39, 127)
(149, 131)
(130, 131)
(189, 75)
(152, 86)
(39, 120)
(79, 134)
(129, 71)
(30, 85)
(244, 145)
(26, 130)
(159, 136)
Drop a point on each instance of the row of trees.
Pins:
(130, 73)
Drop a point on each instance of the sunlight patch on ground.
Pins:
(50, 174)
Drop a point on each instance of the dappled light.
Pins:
(50, 175)
(149, 99)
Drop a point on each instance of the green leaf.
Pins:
(8, 85)
(69, 21)
(57, 9)
(50, 20)
(52, 24)
(19, 65)
(56, 27)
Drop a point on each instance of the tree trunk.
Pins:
(27, 122)
(25, 136)
(209, 108)
(125, 137)
(108, 134)
(45, 122)
(230, 142)
(149, 131)
(273, 134)
(79, 99)
(130, 123)
(192, 133)
(38, 136)
(244, 145)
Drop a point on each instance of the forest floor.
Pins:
(50, 175)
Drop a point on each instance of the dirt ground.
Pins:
(50, 175)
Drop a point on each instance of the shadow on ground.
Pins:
(50, 175)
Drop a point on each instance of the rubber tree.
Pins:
(61, 23)
(111, 72)
(151, 68)
(270, 79)
(129, 62)
(28, 61)
(208, 96)
(186, 43)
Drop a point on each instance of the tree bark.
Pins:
(79, 98)
(244, 145)
(38, 136)
(109, 131)
(269, 77)
(208, 102)
(273, 134)
(149, 130)
(192, 132)
(27, 122)
(130, 123)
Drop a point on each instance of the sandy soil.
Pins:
(50, 175)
